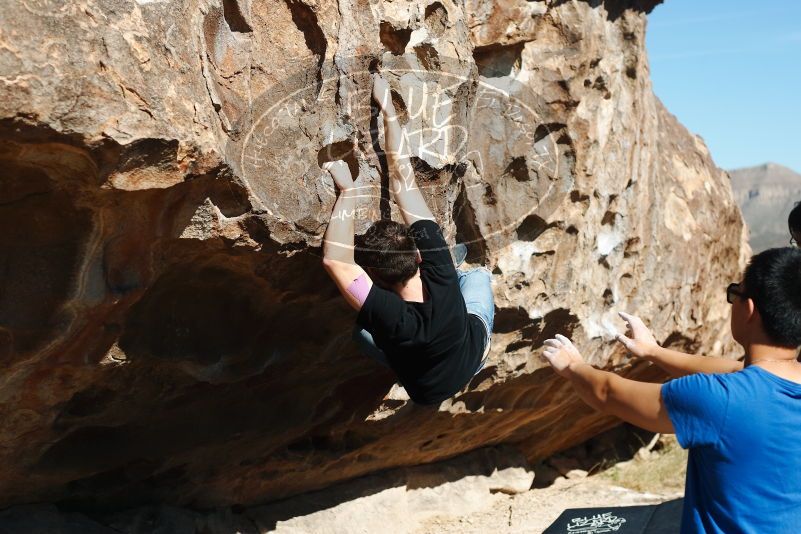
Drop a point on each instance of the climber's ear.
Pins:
(418, 257)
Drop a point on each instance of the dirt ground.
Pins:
(655, 474)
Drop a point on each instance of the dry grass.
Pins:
(663, 469)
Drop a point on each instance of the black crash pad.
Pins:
(662, 518)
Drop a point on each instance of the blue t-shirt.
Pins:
(744, 434)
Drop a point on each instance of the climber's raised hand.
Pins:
(561, 354)
(638, 339)
(381, 92)
(402, 181)
(341, 173)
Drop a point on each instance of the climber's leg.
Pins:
(476, 288)
(365, 341)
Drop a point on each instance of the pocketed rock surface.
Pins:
(167, 332)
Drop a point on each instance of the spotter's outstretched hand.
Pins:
(638, 339)
(561, 354)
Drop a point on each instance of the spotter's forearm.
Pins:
(678, 364)
(638, 403)
(591, 384)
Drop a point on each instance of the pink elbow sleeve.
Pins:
(359, 288)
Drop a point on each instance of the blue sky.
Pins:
(730, 70)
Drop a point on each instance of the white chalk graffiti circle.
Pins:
(440, 124)
(596, 524)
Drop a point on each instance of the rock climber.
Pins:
(417, 313)
(794, 222)
(740, 421)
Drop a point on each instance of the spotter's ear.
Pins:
(753, 312)
(418, 257)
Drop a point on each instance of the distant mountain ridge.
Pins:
(766, 195)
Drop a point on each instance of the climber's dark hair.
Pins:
(773, 281)
(794, 221)
(387, 252)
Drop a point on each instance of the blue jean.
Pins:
(476, 288)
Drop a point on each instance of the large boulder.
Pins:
(167, 332)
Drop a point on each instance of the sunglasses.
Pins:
(734, 291)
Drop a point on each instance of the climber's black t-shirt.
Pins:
(434, 346)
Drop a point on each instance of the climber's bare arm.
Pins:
(641, 343)
(338, 246)
(402, 181)
(638, 403)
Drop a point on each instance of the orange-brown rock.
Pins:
(167, 333)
